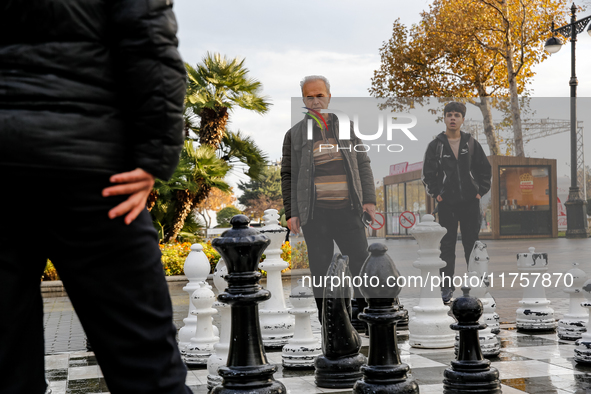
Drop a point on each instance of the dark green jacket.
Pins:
(297, 172)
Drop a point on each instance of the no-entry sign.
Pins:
(379, 224)
(407, 219)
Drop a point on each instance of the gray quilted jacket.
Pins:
(297, 173)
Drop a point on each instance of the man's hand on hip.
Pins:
(137, 184)
(371, 209)
(294, 225)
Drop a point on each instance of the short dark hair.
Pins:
(454, 106)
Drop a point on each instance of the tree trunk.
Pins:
(184, 206)
(213, 125)
(489, 129)
(152, 199)
(515, 110)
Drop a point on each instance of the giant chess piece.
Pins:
(470, 373)
(429, 327)
(360, 326)
(583, 349)
(201, 346)
(402, 324)
(572, 325)
(276, 322)
(478, 274)
(339, 365)
(247, 369)
(534, 314)
(479, 265)
(384, 373)
(220, 355)
(303, 348)
(196, 269)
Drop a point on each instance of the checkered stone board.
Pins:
(539, 364)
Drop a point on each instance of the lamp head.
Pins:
(553, 45)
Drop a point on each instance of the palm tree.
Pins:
(216, 86)
(203, 169)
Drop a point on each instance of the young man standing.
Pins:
(456, 172)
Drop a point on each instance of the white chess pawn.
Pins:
(478, 272)
(478, 265)
(303, 348)
(534, 314)
(572, 325)
(220, 355)
(196, 269)
(276, 322)
(430, 326)
(201, 345)
(583, 349)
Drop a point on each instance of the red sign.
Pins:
(399, 168)
(415, 166)
(407, 219)
(376, 221)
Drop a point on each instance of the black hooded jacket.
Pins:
(456, 180)
(90, 85)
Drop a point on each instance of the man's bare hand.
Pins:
(478, 196)
(137, 184)
(294, 225)
(439, 198)
(371, 209)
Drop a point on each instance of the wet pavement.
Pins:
(532, 364)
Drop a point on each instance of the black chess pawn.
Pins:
(339, 365)
(403, 322)
(247, 369)
(384, 373)
(470, 373)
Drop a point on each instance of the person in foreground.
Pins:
(456, 172)
(326, 187)
(90, 113)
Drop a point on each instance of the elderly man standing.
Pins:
(327, 186)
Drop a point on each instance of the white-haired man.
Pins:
(326, 187)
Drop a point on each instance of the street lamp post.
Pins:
(576, 215)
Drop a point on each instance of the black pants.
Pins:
(344, 227)
(469, 216)
(111, 271)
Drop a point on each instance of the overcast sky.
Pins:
(283, 41)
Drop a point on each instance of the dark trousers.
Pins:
(469, 216)
(344, 227)
(111, 271)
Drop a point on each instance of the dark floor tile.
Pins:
(524, 341)
(505, 356)
(54, 375)
(82, 361)
(84, 386)
(545, 384)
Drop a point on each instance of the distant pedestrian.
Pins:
(90, 113)
(456, 172)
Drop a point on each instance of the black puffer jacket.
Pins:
(456, 180)
(90, 84)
